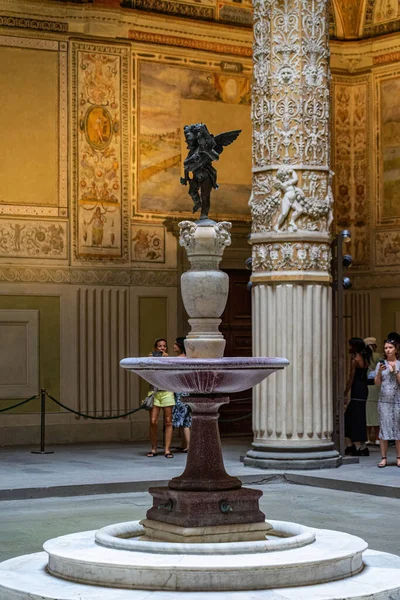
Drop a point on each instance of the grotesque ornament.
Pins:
(203, 148)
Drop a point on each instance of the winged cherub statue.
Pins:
(203, 148)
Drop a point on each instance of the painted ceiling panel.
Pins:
(349, 19)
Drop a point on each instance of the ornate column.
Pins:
(291, 207)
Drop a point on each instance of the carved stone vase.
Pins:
(204, 287)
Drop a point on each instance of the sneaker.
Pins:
(377, 443)
(369, 443)
(349, 451)
(362, 452)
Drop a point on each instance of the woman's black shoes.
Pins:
(362, 452)
(350, 450)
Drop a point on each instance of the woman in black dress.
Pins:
(357, 385)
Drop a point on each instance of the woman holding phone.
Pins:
(162, 400)
(387, 375)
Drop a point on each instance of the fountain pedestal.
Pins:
(205, 495)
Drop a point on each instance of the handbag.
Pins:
(148, 402)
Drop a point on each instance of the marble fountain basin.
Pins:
(204, 375)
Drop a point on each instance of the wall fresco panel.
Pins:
(100, 130)
(351, 164)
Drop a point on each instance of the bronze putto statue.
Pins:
(203, 148)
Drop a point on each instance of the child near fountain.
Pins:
(162, 400)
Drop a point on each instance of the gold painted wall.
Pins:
(29, 126)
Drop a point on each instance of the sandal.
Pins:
(380, 465)
(169, 455)
(151, 454)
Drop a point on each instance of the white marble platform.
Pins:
(333, 555)
(25, 578)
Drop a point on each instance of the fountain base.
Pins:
(118, 562)
(159, 531)
(205, 508)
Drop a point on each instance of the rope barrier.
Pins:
(131, 412)
(75, 412)
(44, 393)
(19, 403)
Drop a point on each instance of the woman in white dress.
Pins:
(387, 375)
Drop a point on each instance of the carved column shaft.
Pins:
(291, 206)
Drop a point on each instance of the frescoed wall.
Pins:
(90, 196)
(350, 163)
(389, 93)
(95, 98)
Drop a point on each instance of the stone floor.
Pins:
(26, 524)
(80, 488)
(118, 468)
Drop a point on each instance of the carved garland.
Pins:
(290, 256)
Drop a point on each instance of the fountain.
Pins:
(205, 536)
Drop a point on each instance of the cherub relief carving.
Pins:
(293, 198)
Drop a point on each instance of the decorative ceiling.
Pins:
(353, 19)
(349, 19)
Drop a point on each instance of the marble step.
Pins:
(26, 578)
(333, 555)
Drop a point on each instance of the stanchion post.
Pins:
(42, 425)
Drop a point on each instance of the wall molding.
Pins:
(38, 24)
(71, 275)
(172, 40)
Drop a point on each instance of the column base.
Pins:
(292, 458)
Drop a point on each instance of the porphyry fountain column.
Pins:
(291, 207)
